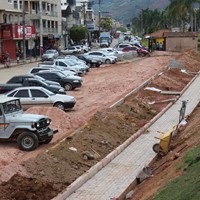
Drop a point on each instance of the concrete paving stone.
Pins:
(115, 177)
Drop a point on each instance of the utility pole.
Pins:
(84, 11)
(24, 34)
(41, 28)
(99, 16)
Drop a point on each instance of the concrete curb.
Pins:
(96, 168)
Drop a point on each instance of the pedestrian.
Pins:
(161, 46)
(59, 49)
(7, 60)
(41, 50)
(158, 46)
(18, 55)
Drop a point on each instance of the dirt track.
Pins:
(57, 168)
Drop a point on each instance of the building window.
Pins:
(15, 5)
(9, 1)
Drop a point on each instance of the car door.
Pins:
(24, 96)
(40, 98)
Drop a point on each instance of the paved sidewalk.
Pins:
(14, 63)
(112, 180)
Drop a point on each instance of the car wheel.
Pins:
(68, 86)
(59, 105)
(27, 141)
(108, 61)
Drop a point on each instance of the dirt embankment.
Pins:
(50, 172)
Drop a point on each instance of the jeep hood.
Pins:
(25, 118)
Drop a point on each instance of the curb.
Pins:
(96, 168)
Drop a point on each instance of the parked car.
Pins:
(38, 69)
(20, 79)
(69, 83)
(120, 46)
(43, 66)
(143, 52)
(108, 59)
(39, 96)
(67, 65)
(79, 49)
(28, 130)
(31, 82)
(70, 50)
(50, 54)
(77, 63)
(114, 52)
(90, 61)
(85, 48)
(128, 49)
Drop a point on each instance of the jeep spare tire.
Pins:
(27, 141)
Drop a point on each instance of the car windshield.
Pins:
(11, 106)
(49, 52)
(48, 92)
(69, 62)
(39, 78)
(73, 61)
(60, 74)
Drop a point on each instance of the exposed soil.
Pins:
(99, 129)
(168, 167)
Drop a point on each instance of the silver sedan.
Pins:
(39, 96)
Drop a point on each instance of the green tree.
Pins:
(181, 12)
(77, 33)
(122, 29)
(106, 24)
(148, 21)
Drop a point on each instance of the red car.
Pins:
(143, 52)
(128, 49)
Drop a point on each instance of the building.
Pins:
(76, 13)
(173, 41)
(41, 28)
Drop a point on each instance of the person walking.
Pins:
(7, 60)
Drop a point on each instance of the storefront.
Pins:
(12, 39)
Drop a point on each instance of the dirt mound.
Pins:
(32, 189)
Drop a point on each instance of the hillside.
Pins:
(128, 9)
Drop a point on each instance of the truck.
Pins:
(105, 39)
(31, 82)
(28, 130)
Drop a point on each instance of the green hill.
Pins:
(125, 10)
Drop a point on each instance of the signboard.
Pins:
(6, 31)
(16, 31)
(29, 31)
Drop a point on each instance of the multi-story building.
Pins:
(76, 13)
(39, 24)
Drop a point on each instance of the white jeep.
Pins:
(27, 129)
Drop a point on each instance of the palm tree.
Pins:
(180, 11)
